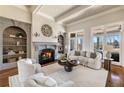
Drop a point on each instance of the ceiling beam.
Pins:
(64, 16)
(46, 16)
(22, 7)
(36, 9)
(97, 15)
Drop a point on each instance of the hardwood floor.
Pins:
(5, 74)
(115, 78)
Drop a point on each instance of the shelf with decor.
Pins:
(14, 55)
(17, 38)
(14, 44)
(60, 44)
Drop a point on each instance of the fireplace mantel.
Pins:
(45, 43)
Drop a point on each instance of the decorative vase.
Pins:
(18, 43)
(108, 55)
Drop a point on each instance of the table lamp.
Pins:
(108, 49)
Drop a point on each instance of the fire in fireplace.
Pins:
(46, 56)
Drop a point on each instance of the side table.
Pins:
(107, 64)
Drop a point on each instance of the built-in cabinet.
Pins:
(60, 44)
(14, 44)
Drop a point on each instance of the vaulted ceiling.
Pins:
(27, 8)
(66, 14)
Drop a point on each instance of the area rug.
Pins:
(81, 76)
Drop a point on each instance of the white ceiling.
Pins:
(90, 11)
(26, 8)
(54, 10)
(67, 14)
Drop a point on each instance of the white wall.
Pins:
(37, 22)
(107, 18)
(15, 13)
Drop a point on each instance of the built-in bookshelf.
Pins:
(60, 44)
(14, 44)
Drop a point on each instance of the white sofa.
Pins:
(87, 60)
(30, 75)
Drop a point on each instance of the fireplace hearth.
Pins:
(46, 55)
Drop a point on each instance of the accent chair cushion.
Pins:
(88, 54)
(93, 55)
(91, 61)
(77, 53)
(83, 53)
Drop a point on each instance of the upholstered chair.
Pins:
(30, 74)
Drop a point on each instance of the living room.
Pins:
(61, 42)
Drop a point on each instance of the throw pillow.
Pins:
(77, 53)
(39, 78)
(83, 53)
(92, 55)
(72, 53)
(42, 80)
(88, 54)
(50, 82)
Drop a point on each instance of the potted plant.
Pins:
(19, 34)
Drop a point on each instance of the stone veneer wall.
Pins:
(5, 23)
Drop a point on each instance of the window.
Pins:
(106, 39)
(98, 42)
(72, 41)
(79, 41)
(76, 41)
(113, 39)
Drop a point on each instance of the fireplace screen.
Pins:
(46, 56)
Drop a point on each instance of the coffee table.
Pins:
(69, 64)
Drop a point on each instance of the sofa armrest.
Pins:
(14, 81)
(38, 68)
(98, 61)
(99, 56)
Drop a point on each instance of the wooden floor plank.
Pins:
(115, 77)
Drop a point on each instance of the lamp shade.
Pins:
(108, 48)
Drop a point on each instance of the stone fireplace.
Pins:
(45, 52)
(46, 55)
